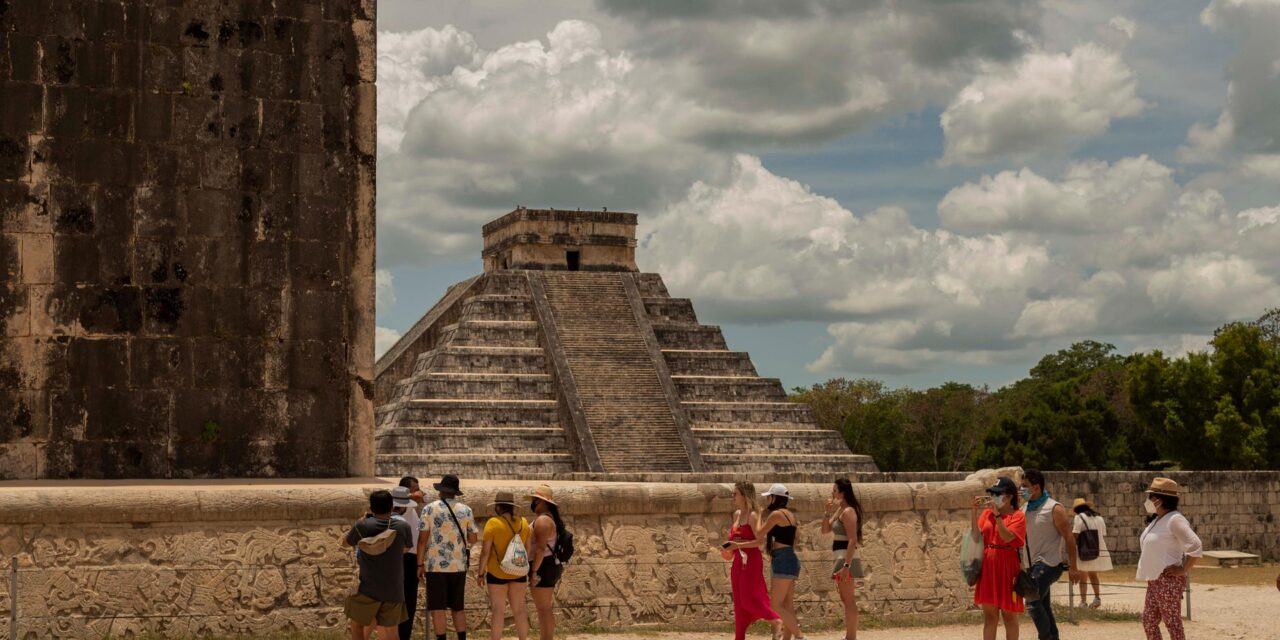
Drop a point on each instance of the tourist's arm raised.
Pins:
(829, 511)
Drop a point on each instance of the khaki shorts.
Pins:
(366, 610)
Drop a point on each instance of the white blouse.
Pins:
(1165, 543)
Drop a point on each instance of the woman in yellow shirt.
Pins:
(504, 587)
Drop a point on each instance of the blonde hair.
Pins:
(748, 491)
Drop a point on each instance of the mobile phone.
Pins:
(725, 545)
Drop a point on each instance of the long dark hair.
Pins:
(553, 511)
(845, 487)
(777, 503)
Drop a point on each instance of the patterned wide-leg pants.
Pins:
(1164, 604)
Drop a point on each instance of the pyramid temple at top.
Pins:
(561, 357)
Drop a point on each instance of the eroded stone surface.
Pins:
(186, 244)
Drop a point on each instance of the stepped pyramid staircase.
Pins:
(531, 374)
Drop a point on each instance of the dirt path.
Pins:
(1220, 612)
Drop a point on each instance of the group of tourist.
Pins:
(1029, 541)
(1029, 547)
(774, 530)
(403, 540)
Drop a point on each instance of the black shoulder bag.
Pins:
(1024, 584)
(462, 537)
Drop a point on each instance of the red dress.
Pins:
(750, 596)
(1000, 566)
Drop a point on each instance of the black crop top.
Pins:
(783, 535)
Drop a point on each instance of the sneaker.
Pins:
(1097, 603)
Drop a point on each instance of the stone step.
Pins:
(484, 359)
(507, 333)
(506, 283)
(623, 400)
(504, 386)
(747, 412)
(523, 413)
(670, 310)
(763, 462)
(708, 362)
(651, 285)
(790, 427)
(472, 439)
(738, 441)
(726, 388)
(689, 336)
(475, 465)
(498, 307)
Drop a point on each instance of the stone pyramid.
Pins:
(562, 358)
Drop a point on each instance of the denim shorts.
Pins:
(785, 563)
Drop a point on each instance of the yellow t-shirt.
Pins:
(500, 530)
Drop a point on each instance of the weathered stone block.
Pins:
(20, 112)
(159, 363)
(111, 415)
(15, 310)
(226, 363)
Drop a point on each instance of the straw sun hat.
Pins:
(1164, 487)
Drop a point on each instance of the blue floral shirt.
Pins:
(446, 544)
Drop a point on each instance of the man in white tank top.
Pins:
(1051, 545)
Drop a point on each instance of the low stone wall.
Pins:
(1230, 510)
(1236, 510)
(187, 559)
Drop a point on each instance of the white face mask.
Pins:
(1149, 506)
(997, 502)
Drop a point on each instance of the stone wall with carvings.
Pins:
(189, 559)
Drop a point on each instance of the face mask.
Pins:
(1149, 506)
(997, 502)
(1026, 494)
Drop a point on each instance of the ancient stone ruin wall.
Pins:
(251, 559)
(186, 238)
(1230, 510)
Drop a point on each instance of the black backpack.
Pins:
(563, 550)
(1087, 547)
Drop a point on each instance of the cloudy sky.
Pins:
(912, 190)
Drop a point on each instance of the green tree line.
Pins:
(1084, 407)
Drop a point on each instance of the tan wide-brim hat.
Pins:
(504, 497)
(543, 493)
(1164, 487)
(1080, 502)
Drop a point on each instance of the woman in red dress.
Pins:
(1004, 530)
(750, 597)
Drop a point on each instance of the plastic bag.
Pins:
(971, 550)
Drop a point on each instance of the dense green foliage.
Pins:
(1085, 407)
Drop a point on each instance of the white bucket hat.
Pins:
(779, 490)
(400, 497)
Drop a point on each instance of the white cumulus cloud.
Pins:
(383, 339)
(1250, 120)
(1043, 102)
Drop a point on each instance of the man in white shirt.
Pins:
(1051, 546)
(406, 508)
